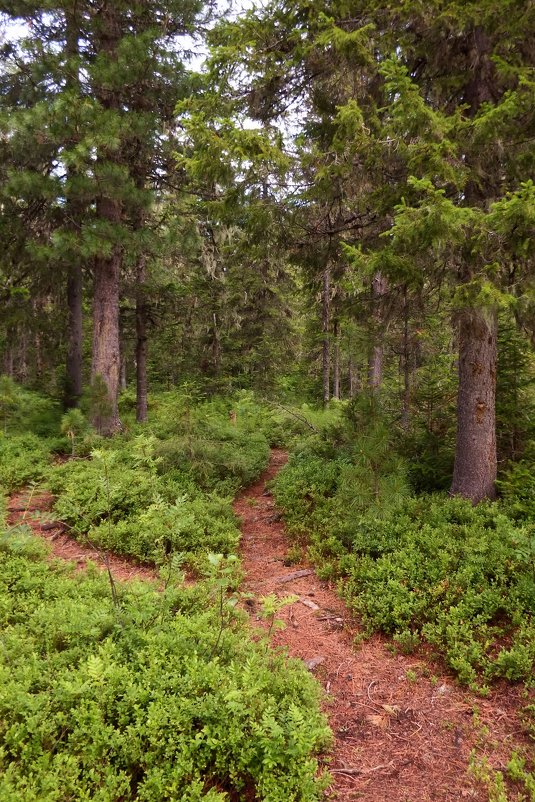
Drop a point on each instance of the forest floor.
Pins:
(403, 728)
(33, 509)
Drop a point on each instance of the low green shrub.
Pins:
(432, 568)
(191, 527)
(22, 410)
(24, 458)
(340, 472)
(223, 460)
(221, 444)
(153, 700)
(517, 487)
(119, 500)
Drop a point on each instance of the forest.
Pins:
(267, 401)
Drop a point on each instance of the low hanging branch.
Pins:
(295, 415)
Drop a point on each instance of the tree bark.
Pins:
(73, 379)
(123, 384)
(73, 213)
(9, 352)
(141, 343)
(475, 469)
(336, 360)
(325, 323)
(406, 360)
(106, 349)
(105, 365)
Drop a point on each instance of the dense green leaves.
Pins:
(139, 705)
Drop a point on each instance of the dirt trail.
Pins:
(403, 729)
(34, 509)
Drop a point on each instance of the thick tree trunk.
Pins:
(141, 344)
(106, 359)
(325, 323)
(375, 359)
(474, 474)
(73, 213)
(336, 360)
(475, 469)
(73, 379)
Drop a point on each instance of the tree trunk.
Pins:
(22, 357)
(375, 361)
(105, 366)
(475, 468)
(106, 350)
(325, 323)
(8, 352)
(141, 343)
(73, 379)
(73, 214)
(474, 474)
(336, 360)
(406, 366)
(375, 367)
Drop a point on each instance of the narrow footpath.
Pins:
(404, 729)
(34, 510)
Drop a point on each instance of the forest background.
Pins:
(323, 240)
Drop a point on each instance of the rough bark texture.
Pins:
(73, 213)
(106, 350)
(475, 468)
(106, 361)
(123, 384)
(474, 473)
(9, 353)
(325, 323)
(141, 343)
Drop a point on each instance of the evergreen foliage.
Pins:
(324, 239)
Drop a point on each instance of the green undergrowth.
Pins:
(166, 487)
(29, 435)
(119, 500)
(24, 458)
(149, 695)
(427, 568)
(153, 490)
(114, 691)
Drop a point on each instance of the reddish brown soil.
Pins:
(34, 509)
(403, 728)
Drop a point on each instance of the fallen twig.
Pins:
(295, 575)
